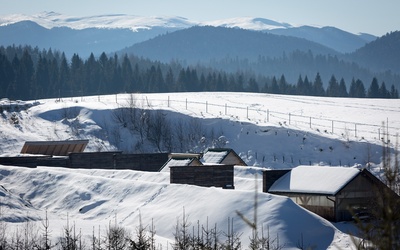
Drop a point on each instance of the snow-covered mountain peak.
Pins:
(110, 21)
(250, 23)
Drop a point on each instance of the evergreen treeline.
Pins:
(28, 73)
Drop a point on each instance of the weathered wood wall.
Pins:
(93, 160)
(205, 176)
(117, 160)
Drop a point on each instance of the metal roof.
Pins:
(58, 148)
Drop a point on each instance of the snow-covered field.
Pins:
(267, 131)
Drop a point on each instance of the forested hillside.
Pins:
(29, 73)
(267, 54)
(382, 54)
(203, 43)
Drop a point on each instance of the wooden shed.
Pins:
(331, 192)
(205, 175)
(222, 156)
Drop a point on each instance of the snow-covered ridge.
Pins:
(52, 19)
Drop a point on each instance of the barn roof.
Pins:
(178, 162)
(217, 155)
(314, 180)
(59, 148)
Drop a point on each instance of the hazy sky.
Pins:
(367, 16)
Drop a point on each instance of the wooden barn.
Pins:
(204, 175)
(225, 156)
(334, 193)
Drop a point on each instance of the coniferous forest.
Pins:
(28, 73)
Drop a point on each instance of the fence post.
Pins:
(332, 127)
(267, 115)
(168, 102)
(355, 129)
(247, 112)
(310, 121)
(206, 106)
(225, 109)
(289, 118)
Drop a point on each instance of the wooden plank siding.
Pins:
(205, 176)
(116, 160)
(93, 160)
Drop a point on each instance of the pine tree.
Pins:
(253, 86)
(393, 92)
(318, 88)
(333, 87)
(76, 75)
(41, 78)
(307, 86)
(373, 90)
(6, 75)
(383, 92)
(283, 85)
(181, 81)
(170, 79)
(361, 93)
(300, 87)
(23, 76)
(342, 89)
(63, 77)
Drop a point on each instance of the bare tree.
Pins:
(180, 127)
(181, 235)
(143, 240)
(157, 128)
(46, 245)
(116, 237)
(233, 241)
(3, 229)
(382, 231)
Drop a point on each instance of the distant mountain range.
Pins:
(257, 45)
(205, 43)
(109, 33)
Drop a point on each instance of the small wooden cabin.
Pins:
(331, 192)
(225, 156)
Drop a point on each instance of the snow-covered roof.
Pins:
(214, 157)
(314, 179)
(176, 163)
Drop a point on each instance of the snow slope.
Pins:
(267, 131)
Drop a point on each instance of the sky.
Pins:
(356, 16)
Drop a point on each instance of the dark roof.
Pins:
(59, 148)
